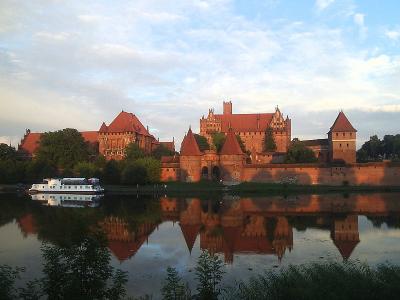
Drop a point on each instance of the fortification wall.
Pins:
(379, 174)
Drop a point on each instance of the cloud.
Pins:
(323, 4)
(170, 61)
(359, 20)
(393, 34)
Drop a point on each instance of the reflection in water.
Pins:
(68, 200)
(227, 226)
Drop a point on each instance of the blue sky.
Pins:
(79, 63)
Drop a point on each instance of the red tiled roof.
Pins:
(30, 142)
(245, 122)
(103, 128)
(342, 124)
(189, 145)
(169, 145)
(170, 159)
(231, 145)
(127, 122)
(90, 136)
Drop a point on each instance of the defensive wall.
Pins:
(379, 174)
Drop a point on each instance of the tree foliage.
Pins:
(173, 288)
(376, 150)
(270, 145)
(202, 142)
(85, 169)
(161, 151)
(218, 139)
(209, 272)
(299, 153)
(7, 152)
(133, 152)
(63, 148)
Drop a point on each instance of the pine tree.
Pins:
(270, 144)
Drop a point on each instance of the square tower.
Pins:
(342, 140)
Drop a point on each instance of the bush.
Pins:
(86, 169)
(134, 174)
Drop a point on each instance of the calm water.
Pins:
(145, 235)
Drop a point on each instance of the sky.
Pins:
(76, 64)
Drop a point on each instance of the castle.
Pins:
(111, 140)
(231, 163)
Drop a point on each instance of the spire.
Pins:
(189, 145)
(103, 127)
(231, 145)
(190, 233)
(342, 124)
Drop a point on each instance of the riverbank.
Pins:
(210, 188)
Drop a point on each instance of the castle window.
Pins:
(344, 134)
(337, 134)
(347, 145)
(340, 145)
(351, 134)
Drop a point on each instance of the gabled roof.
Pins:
(190, 232)
(231, 145)
(342, 124)
(189, 145)
(245, 122)
(127, 122)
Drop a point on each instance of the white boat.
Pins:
(68, 186)
(68, 200)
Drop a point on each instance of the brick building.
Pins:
(111, 140)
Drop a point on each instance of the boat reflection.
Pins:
(68, 200)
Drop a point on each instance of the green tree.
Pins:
(8, 276)
(173, 288)
(81, 271)
(218, 139)
(86, 169)
(270, 145)
(133, 152)
(202, 142)
(134, 173)
(153, 168)
(209, 272)
(63, 148)
(161, 151)
(7, 152)
(241, 143)
(111, 172)
(299, 153)
(38, 169)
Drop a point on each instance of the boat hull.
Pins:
(32, 192)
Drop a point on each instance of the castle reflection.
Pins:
(234, 225)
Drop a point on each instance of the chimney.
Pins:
(227, 108)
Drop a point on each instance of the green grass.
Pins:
(331, 280)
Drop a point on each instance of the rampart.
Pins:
(378, 174)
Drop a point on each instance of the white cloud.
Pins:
(393, 34)
(323, 4)
(359, 20)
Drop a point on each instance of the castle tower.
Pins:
(227, 108)
(232, 158)
(345, 235)
(342, 140)
(190, 158)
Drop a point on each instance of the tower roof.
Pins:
(127, 122)
(345, 247)
(342, 124)
(189, 145)
(103, 128)
(231, 145)
(190, 233)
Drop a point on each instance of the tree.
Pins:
(173, 288)
(7, 152)
(133, 152)
(63, 148)
(299, 153)
(153, 168)
(111, 172)
(86, 169)
(202, 142)
(209, 274)
(270, 145)
(134, 174)
(218, 139)
(161, 151)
